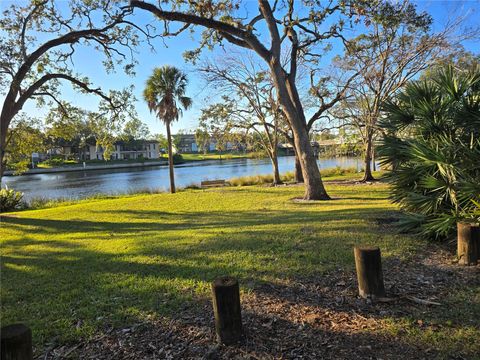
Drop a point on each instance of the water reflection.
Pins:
(84, 183)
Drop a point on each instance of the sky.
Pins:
(169, 52)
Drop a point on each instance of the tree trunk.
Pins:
(170, 160)
(4, 123)
(314, 188)
(284, 83)
(298, 176)
(374, 165)
(287, 97)
(276, 173)
(2, 164)
(368, 159)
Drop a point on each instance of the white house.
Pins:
(128, 150)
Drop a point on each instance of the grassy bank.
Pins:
(73, 270)
(217, 156)
(329, 174)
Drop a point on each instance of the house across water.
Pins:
(126, 150)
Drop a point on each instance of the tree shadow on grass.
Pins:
(79, 289)
(446, 331)
(154, 220)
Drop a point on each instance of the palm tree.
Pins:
(165, 93)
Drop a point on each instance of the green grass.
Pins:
(56, 163)
(329, 174)
(71, 270)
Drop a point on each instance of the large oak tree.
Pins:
(273, 29)
(38, 47)
(249, 102)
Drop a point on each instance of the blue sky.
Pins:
(88, 62)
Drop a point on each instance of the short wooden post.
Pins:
(368, 262)
(468, 243)
(16, 343)
(226, 307)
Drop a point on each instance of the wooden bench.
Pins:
(212, 183)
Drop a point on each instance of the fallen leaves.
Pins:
(303, 318)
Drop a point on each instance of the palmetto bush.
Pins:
(432, 148)
(10, 200)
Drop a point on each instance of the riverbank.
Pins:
(124, 164)
(89, 167)
(105, 278)
(81, 184)
(329, 175)
(226, 156)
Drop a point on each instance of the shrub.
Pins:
(10, 200)
(257, 154)
(432, 145)
(251, 180)
(56, 162)
(177, 159)
(337, 171)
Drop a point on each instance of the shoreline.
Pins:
(86, 168)
(91, 167)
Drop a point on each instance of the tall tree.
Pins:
(165, 96)
(162, 142)
(216, 120)
(72, 124)
(24, 138)
(177, 142)
(135, 129)
(39, 42)
(202, 138)
(250, 102)
(291, 27)
(396, 45)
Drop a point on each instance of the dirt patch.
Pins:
(303, 318)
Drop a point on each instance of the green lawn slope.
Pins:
(70, 270)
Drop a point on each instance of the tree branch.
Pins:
(209, 23)
(39, 83)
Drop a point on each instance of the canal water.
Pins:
(81, 184)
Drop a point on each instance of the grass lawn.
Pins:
(68, 271)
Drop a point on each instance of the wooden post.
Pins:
(468, 243)
(368, 262)
(16, 342)
(226, 307)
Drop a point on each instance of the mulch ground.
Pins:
(309, 318)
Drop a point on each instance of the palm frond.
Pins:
(164, 89)
(432, 146)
